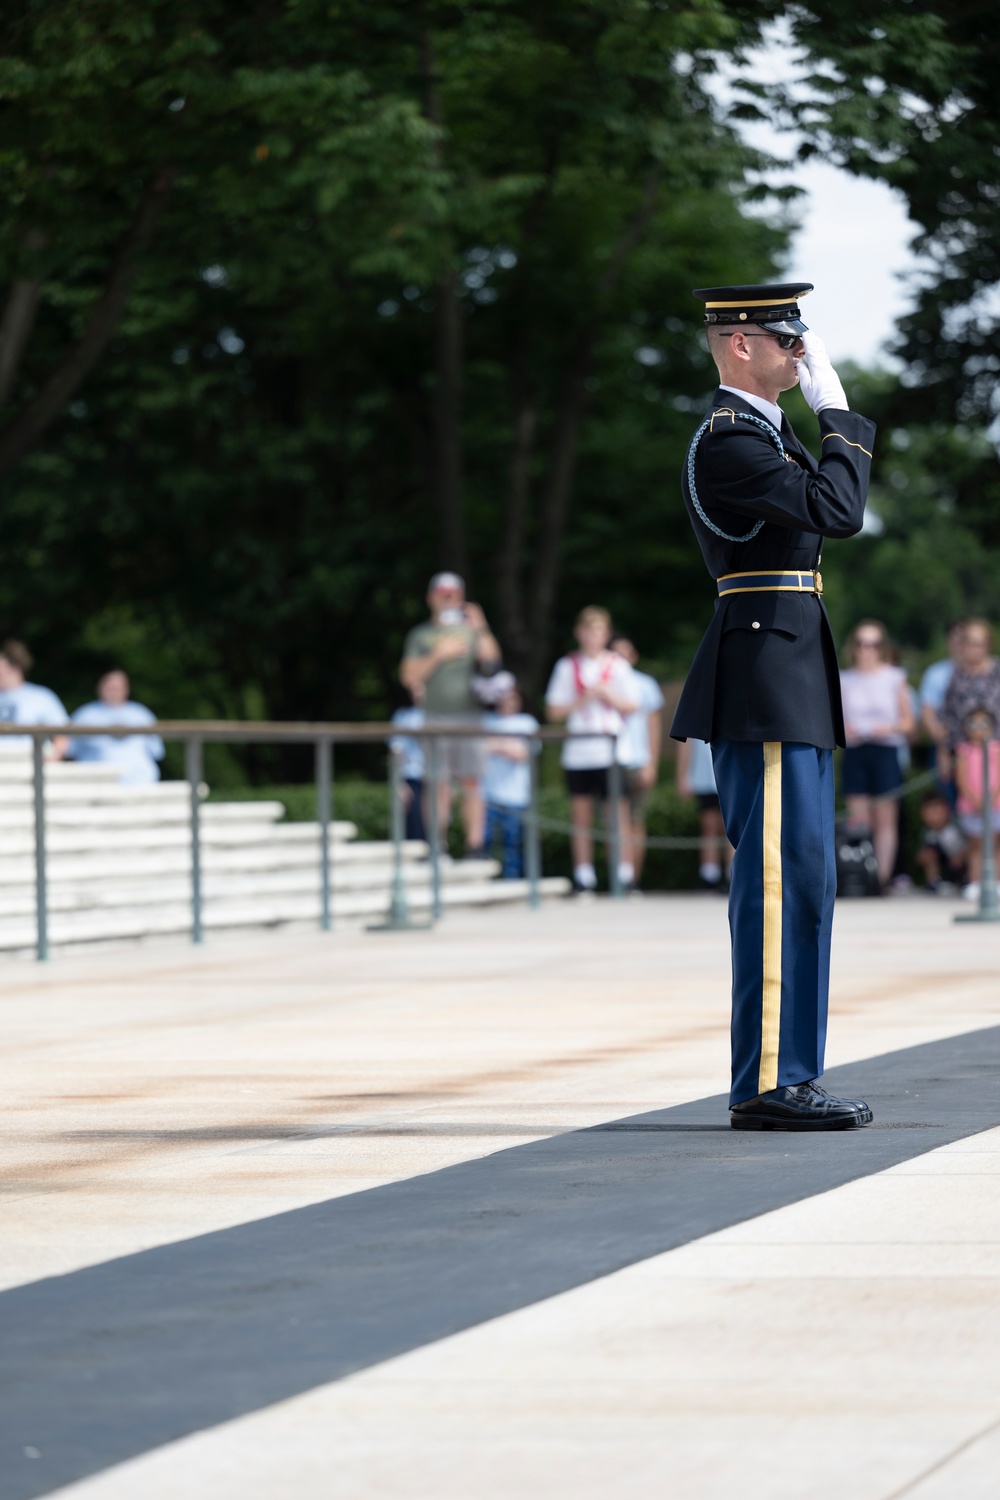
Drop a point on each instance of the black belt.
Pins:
(777, 582)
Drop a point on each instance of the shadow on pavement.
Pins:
(110, 1361)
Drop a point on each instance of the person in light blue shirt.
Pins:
(136, 755)
(696, 779)
(933, 688)
(413, 767)
(507, 780)
(23, 702)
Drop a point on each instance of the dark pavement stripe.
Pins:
(108, 1362)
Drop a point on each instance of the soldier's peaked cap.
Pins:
(774, 307)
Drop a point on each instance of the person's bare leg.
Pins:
(975, 860)
(885, 836)
(444, 811)
(637, 845)
(473, 813)
(859, 813)
(582, 818)
(715, 847)
(626, 866)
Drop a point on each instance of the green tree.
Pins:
(419, 292)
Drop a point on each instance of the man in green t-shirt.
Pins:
(439, 659)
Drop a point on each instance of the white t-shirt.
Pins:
(136, 756)
(569, 674)
(28, 704)
(507, 783)
(634, 748)
(870, 700)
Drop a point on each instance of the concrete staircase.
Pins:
(119, 863)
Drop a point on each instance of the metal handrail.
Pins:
(196, 733)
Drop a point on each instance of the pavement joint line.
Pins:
(942, 1463)
(105, 1363)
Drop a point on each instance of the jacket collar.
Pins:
(744, 404)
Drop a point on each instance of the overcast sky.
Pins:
(853, 243)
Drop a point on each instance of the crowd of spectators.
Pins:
(452, 669)
(24, 702)
(957, 708)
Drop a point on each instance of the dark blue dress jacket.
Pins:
(767, 666)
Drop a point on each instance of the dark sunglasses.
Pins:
(784, 340)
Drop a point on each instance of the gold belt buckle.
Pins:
(818, 578)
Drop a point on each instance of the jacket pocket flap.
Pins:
(764, 611)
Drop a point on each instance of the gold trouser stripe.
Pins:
(770, 1029)
(847, 441)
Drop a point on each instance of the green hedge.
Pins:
(366, 803)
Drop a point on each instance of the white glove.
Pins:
(818, 380)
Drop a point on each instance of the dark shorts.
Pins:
(708, 802)
(589, 783)
(871, 770)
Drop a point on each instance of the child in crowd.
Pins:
(412, 751)
(979, 728)
(591, 691)
(943, 850)
(696, 778)
(507, 782)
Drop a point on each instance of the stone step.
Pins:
(100, 794)
(17, 766)
(175, 918)
(155, 890)
(142, 815)
(214, 834)
(152, 863)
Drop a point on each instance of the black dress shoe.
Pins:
(800, 1106)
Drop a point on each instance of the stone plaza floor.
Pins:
(458, 1214)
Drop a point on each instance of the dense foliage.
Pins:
(417, 293)
(306, 298)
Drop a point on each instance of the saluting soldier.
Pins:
(764, 687)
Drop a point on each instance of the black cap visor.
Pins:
(787, 325)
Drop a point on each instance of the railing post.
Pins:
(989, 907)
(193, 770)
(614, 826)
(324, 787)
(398, 919)
(41, 880)
(532, 830)
(434, 840)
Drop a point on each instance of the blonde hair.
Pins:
(593, 615)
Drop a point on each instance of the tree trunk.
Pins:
(514, 626)
(446, 402)
(554, 509)
(447, 424)
(565, 447)
(34, 420)
(15, 330)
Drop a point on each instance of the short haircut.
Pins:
(977, 623)
(935, 794)
(593, 614)
(18, 655)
